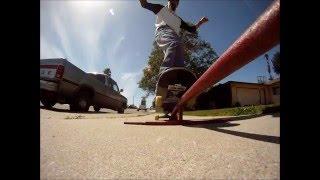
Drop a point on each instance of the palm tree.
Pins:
(107, 71)
(276, 63)
(269, 69)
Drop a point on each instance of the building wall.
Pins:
(274, 91)
(222, 96)
(228, 94)
(248, 94)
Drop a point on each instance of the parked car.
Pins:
(143, 105)
(62, 82)
(132, 107)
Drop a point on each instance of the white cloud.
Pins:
(129, 84)
(79, 26)
(48, 50)
(63, 35)
(82, 32)
(111, 11)
(118, 44)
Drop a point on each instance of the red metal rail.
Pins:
(260, 37)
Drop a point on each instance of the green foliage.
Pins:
(237, 111)
(150, 73)
(107, 71)
(248, 110)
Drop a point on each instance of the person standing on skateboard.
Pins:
(167, 34)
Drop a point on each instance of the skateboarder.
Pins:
(167, 34)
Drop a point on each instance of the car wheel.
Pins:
(96, 108)
(121, 110)
(73, 107)
(83, 101)
(48, 103)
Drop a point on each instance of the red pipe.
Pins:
(260, 37)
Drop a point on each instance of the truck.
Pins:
(64, 83)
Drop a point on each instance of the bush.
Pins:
(271, 109)
(246, 110)
(237, 104)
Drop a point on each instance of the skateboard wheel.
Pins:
(158, 102)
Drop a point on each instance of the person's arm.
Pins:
(155, 8)
(202, 21)
(187, 27)
(193, 28)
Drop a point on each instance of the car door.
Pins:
(116, 94)
(109, 94)
(103, 97)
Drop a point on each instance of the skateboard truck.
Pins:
(176, 119)
(170, 102)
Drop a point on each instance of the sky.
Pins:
(119, 34)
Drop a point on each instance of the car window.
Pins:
(115, 87)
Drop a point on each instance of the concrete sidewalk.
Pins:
(105, 148)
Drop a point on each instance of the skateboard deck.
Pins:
(172, 84)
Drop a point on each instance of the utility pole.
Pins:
(269, 69)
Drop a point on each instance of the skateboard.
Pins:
(171, 85)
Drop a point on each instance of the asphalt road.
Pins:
(100, 146)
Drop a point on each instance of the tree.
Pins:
(276, 63)
(107, 71)
(199, 55)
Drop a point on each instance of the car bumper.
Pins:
(49, 86)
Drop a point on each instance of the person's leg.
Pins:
(179, 55)
(171, 45)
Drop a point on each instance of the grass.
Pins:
(248, 110)
(74, 117)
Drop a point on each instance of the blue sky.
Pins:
(119, 34)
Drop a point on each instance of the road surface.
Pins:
(100, 146)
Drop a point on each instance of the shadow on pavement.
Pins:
(220, 123)
(275, 114)
(259, 137)
(68, 111)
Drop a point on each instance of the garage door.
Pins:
(248, 96)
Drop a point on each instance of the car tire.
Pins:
(48, 103)
(73, 107)
(96, 109)
(121, 110)
(83, 101)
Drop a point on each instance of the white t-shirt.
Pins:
(168, 17)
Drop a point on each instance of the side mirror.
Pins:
(121, 90)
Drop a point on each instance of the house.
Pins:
(233, 93)
(273, 90)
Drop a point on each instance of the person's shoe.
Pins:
(165, 116)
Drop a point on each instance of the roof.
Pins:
(250, 83)
(273, 81)
(232, 82)
(95, 73)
